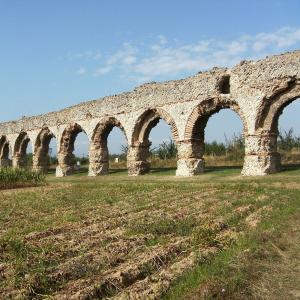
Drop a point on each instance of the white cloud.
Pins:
(129, 60)
(102, 71)
(81, 71)
(163, 59)
(162, 39)
(124, 56)
(284, 37)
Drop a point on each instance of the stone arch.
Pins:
(191, 148)
(4, 147)
(19, 151)
(103, 129)
(147, 121)
(66, 158)
(269, 113)
(263, 156)
(137, 159)
(69, 136)
(21, 143)
(99, 156)
(4, 152)
(41, 150)
(200, 115)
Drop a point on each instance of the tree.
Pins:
(215, 149)
(166, 150)
(287, 140)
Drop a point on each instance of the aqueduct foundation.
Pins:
(257, 91)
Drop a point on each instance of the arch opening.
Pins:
(272, 108)
(275, 113)
(224, 146)
(52, 155)
(142, 155)
(81, 152)
(287, 129)
(73, 153)
(215, 134)
(22, 154)
(100, 157)
(5, 153)
(163, 149)
(117, 145)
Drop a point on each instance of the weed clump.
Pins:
(15, 178)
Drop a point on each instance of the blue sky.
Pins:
(54, 54)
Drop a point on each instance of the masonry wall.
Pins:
(257, 91)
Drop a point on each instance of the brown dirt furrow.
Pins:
(95, 261)
(126, 274)
(112, 219)
(99, 229)
(154, 286)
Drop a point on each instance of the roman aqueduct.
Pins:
(257, 91)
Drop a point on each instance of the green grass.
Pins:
(73, 230)
(12, 178)
(225, 274)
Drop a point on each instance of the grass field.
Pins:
(213, 236)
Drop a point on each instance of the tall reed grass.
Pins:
(13, 178)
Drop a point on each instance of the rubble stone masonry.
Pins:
(257, 91)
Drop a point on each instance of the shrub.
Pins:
(166, 150)
(287, 141)
(215, 149)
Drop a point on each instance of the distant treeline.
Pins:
(167, 150)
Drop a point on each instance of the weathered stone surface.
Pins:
(257, 91)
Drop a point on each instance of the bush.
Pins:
(215, 149)
(12, 178)
(287, 141)
(233, 148)
(166, 150)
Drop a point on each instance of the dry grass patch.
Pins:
(118, 237)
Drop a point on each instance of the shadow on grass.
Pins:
(117, 171)
(290, 167)
(82, 170)
(222, 168)
(163, 171)
(51, 171)
(171, 171)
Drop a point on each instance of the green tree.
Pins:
(287, 140)
(166, 150)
